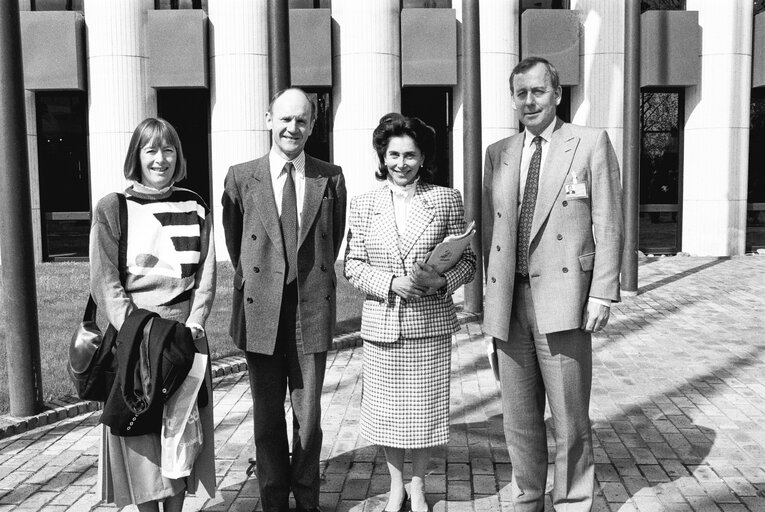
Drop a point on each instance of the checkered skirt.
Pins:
(405, 397)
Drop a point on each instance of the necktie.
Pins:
(527, 208)
(289, 223)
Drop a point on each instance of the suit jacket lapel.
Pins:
(265, 202)
(315, 183)
(511, 176)
(384, 219)
(562, 148)
(421, 214)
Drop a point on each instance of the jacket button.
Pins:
(249, 300)
(128, 428)
(493, 280)
(560, 237)
(323, 268)
(565, 270)
(323, 236)
(328, 297)
(565, 203)
(497, 248)
(164, 390)
(254, 237)
(255, 269)
(499, 214)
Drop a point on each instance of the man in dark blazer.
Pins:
(284, 220)
(553, 238)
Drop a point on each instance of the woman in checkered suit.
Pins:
(408, 316)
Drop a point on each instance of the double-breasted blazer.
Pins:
(375, 254)
(254, 242)
(575, 245)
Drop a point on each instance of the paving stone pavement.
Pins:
(678, 407)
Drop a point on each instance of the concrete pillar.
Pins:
(598, 100)
(366, 74)
(118, 90)
(500, 50)
(238, 92)
(457, 156)
(716, 150)
(34, 171)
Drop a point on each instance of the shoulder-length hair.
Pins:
(153, 131)
(396, 125)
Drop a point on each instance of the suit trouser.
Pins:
(559, 366)
(270, 377)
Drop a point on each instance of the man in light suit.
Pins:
(284, 220)
(553, 238)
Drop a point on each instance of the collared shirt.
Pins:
(402, 200)
(276, 165)
(528, 151)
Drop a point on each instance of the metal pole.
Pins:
(278, 45)
(19, 285)
(631, 153)
(471, 104)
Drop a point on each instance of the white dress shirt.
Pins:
(402, 200)
(276, 166)
(528, 151)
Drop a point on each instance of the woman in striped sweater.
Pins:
(169, 269)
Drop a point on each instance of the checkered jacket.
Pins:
(375, 255)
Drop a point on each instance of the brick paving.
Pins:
(678, 410)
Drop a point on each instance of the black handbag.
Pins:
(92, 366)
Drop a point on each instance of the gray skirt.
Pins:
(405, 393)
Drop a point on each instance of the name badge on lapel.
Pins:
(576, 189)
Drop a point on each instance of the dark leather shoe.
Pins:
(312, 509)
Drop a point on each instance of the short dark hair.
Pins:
(528, 63)
(397, 125)
(153, 130)
(282, 91)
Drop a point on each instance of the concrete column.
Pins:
(118, 89)
(34, 170)
(598, 100)
(457, 156)
(500, 50)
(366, 74)
(238, 92)
(716, 149)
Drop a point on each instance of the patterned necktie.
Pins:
(527, 209)
(289, 223)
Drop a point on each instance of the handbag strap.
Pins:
(91, 308)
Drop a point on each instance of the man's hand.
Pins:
(595, 316)
(405, 287)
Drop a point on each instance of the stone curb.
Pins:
(70, 406)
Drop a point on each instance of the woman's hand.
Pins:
(425, 275)
(405, 287)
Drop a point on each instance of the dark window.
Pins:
(188, 111)
(661, 117)
(755, 214)
(318, 143)
(63, 173)
(433, 106)
(180, 4)
(57, 5)
(662, 5)
(426, 4)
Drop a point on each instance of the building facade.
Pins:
(94, 69)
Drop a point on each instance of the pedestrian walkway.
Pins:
(678, 412)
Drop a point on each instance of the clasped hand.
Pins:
(422, 280)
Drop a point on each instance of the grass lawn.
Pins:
(62, 291)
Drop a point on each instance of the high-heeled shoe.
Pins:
(402, 508)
